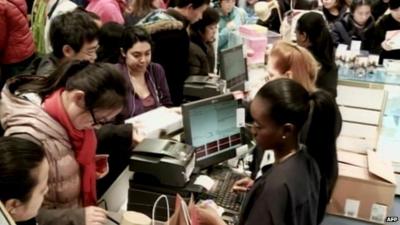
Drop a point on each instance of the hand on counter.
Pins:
(95, 216)
(137, 137)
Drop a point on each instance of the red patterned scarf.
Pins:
(83, 142)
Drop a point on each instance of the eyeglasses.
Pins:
(95, 121)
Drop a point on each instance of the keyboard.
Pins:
(222, 193)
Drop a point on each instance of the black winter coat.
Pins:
(345, 30)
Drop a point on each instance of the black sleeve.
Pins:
(270, 207)
(171, 50)
(370, 44)
(340, 34)
(115, 140)
(380, 33)
(379, 8)
(110, 136)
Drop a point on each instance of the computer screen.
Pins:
(5, 218)
(210, 127)
(233, 68)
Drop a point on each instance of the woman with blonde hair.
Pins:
(292, 61)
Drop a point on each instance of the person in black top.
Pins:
(109, 43)
(312, 33)
(288, 192)
(333, 10)
(358, 25)
(390, 22)
(202, 38)
(379, 8)
(171, 41)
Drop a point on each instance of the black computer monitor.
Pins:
(210, 127)
(233, 68)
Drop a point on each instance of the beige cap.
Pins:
(135, 218)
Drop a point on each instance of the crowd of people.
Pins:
(73, 70)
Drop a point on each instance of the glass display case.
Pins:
(389, 139)
(381, 78)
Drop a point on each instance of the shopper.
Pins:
(17, 49)
(60, 111)
(171, 41)
(333, 10)
(202, 38)
(232, 17)
(73, 36)
(388, 23)
(358, 25)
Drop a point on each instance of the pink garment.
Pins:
(107, 10)
(19, 115)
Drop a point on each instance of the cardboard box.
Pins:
(365, 187)
(397, 175)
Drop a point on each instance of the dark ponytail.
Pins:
(320, 139)
(316, 29)
(322, 132)
(44, 86)
(103, 85)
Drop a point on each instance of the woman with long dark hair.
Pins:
(148, 87)
(312, 33)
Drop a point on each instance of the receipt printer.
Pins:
(170, 162)
(202, 86)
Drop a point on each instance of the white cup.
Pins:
(135, 218)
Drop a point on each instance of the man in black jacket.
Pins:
(171, 41)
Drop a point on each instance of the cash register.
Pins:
(211, 131)
(233, 76)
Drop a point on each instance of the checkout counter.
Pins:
(387, 145)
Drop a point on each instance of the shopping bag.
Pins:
(184, 214)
